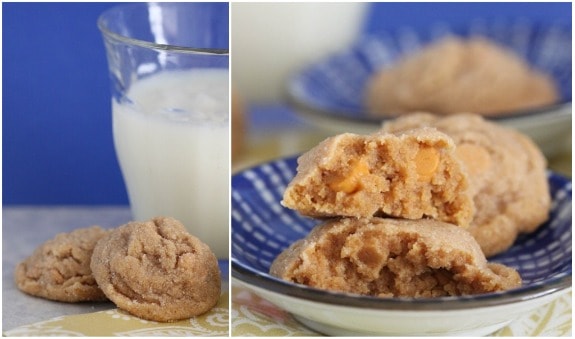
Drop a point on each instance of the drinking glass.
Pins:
(169, 73)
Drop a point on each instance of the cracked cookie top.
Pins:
(59, 269)
(156, 270)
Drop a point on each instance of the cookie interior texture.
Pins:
(453, 74)
(156, 270)
(59, 269)
(392, 258)
(410, 175)
(506, 172)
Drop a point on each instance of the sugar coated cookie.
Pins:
(409, 175)
(60, 270)
(455, 75)
(157, 271)
(506, 171)
(392, 258)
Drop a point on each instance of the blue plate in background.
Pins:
(333, 87)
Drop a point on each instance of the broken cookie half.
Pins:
(411, 175)
(392, 258)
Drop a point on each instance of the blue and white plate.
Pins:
(262, 228)
(330, 91)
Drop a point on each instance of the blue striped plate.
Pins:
(262, 228)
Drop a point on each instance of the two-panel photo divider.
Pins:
(270, 169)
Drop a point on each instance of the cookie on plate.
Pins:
(506, 170)
(409, 175)
(455, 75)
(392, 258)
(157, 271)
(59, 269)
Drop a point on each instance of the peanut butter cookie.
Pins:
(506, 171)
(60, 270)
(455, 75)
(157, 271)
(392, 258)
(409, 175)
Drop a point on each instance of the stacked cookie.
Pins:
(155, 269)
(414, 209)
(506, 171)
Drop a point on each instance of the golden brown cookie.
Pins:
(59, 269)
(157, 271)
(507, 175)
(410, 175)
(392, 258)
(455, 75)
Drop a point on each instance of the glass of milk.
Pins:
(169, 71)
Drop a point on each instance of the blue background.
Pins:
(57, 145)
(421, 15)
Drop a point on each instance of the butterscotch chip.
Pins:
(59, 269)
(426, 163)
(455, 75)
(157, 271)
(410, 175)
(392, 258)
(507, 175)
(352, 181)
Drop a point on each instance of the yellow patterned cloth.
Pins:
(116, 322)
(253, 316)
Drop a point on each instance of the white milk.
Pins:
(173, 148)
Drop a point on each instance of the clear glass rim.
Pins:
(151, 45)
